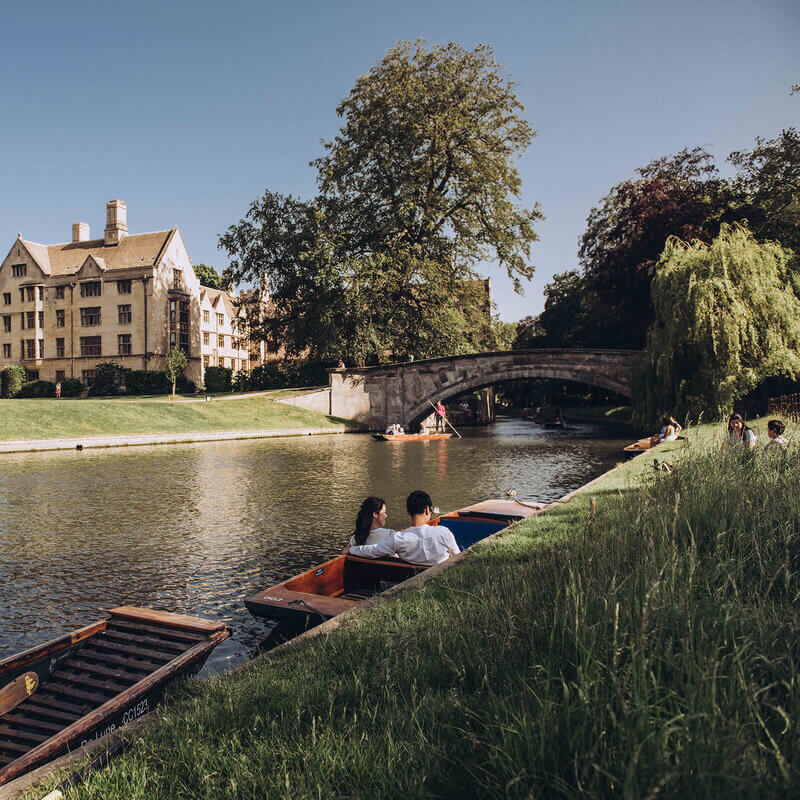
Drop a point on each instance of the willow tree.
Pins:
(727, 316)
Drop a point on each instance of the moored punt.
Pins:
(345, 581)
(638, 447)
(410, 437)
(97, 679)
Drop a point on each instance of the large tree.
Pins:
(726, 319)
(207, 275)
(418, 187)
(769, 187)
(680, 195)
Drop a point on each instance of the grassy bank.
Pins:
(47, 419)
(639, 641)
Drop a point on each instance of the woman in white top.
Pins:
(369, 523)
(739, 433)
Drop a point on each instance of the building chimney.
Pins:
(80, 232)
(116, 221)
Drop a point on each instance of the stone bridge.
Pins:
(377, 396)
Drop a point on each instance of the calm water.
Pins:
(196, 528)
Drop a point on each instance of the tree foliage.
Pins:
(207, 275)
(174, 365)
(419, 186)
(726, 318)
(769, 187)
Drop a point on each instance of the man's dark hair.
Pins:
(418, 503)
(777, 426)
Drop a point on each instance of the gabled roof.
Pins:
(216, 296)
(134, 251)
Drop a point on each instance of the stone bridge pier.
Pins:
(378, 396)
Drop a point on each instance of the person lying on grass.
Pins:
(739, 433)
(775, 429)
(370, 522)
(422, 543)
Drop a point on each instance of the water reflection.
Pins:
(196, 528)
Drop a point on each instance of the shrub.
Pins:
(269, 376)
(218, 379)
(11, 379)
(241, 381)
(307, 373)
(71, 387)
(37, 389)
(108, 377)
(147, 381)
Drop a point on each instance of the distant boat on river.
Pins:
(410, 437)
(345, 581)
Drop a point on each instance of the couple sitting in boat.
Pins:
(422, 543)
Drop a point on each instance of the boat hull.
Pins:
(411, 437)
(96, 680)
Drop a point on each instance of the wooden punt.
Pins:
(345, 581)
(410, 437)
(638, 447)
(97, 679)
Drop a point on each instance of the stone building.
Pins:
(126, 298)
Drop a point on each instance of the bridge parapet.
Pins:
(378, 396)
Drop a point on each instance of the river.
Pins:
(196, 528)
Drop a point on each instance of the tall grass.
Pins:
(643, 647)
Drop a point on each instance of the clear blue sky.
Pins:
(188, 111)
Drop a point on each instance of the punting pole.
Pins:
(445, 419)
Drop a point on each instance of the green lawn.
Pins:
(639, 641)
(47, 418)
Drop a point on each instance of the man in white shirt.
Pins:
(422, 543)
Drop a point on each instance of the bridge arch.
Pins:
(377, 396)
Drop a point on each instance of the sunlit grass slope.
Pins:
(46, 419)
(639, 641)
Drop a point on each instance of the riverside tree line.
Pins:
(420, 185)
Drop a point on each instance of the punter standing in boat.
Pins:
(422, 543)
(440, 414)
(370, 522)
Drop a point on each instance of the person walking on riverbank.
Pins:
(422, 543)
(58, 390)
(739, 433)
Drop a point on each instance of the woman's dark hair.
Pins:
(738, 417)
(776, 425)
(371, 506)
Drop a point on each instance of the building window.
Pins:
(41, 319)
(87, 377)
(90, 316)
(124, 343)
(31, 374)
(41, 348)
(59, 292)
(41, 292)
(7, 298)
(30, 348)
(124, 287)
(19, 270)
(205, 360)
(220, 320)
(90, 346)
(22, 320)
(7, 323)
(91, 289)
(30, 319)
(22, 294)
(177, 279)
(124, 315)
(205, 338)
(7, 350)
(183, 326)
(59, 348)
(60, 318)
(205, 312)
(22, 348)
(30, 293)
(172, 313)
(221, 340)
(60, 374)
(173, 339)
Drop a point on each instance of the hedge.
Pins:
(148, 381)
(37, 389)
(218, 379)
(12, 379)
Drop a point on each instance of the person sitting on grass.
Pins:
(739, 433)
(668, 433)
(775, 429)
(370, 522)
(422, 543)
